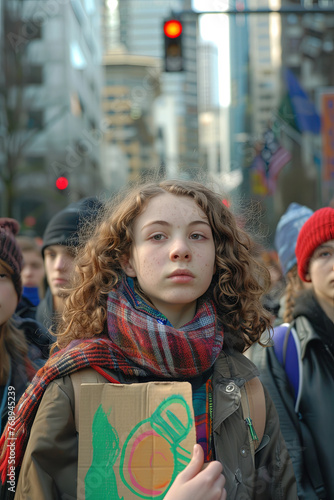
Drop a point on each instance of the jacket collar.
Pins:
(235, 365)
(306, 333)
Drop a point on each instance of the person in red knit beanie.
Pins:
(317, 230)
(300, 378)
(315, 312)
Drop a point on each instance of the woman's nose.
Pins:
(180, 250)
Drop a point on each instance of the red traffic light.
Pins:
(172, 28)
(62, 183)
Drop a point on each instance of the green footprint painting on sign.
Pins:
(100, 480)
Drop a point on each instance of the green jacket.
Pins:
(49, 468)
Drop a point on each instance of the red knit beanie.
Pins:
(318, 229)
(10, 252)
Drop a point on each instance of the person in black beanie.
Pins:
(60, 241)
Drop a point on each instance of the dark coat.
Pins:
(26, 309)
(309, 435)
(23, 370)
(38, 338)
(45, 313)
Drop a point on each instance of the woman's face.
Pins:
(8, 295)
(321, 272)
(172, 255)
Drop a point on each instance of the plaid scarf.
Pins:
(163, 350)
(127, 350)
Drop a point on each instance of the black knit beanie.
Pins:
(65, 226)
(10, 252)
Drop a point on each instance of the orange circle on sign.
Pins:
(152, 452)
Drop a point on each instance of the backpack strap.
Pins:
(254, 410)
(287, 350)
(91, 375)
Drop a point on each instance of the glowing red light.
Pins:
(62, 183)
(172, 28)
(226, 203)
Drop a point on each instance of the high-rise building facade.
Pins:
(175, 111)
(57, 49)
(131, 86)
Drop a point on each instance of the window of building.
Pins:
(33, 74)
(35, 119)
(90, 6)
(78, 11)
(35, 161)
(77, 57)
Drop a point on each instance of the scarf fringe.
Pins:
(6, 441)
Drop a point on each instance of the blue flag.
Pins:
(306, 116)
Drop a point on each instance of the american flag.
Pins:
(274, 157)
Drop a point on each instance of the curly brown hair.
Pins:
(237, 286)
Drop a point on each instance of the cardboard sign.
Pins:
(133, 439)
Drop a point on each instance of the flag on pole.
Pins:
(306, 116)
(270, 161)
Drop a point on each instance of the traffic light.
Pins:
(173, 45)
(62, 183)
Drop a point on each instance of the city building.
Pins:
(307, 51)
(130, 87)
(175, 111)
(56, 47)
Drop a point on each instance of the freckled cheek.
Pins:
(205, 260)
(150, 265)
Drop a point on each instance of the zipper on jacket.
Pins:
(210, 402)
(329, 351)
(253, 434)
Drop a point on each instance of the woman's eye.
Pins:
(323, 254)
(196, 236)
(157, 237)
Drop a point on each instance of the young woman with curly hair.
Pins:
(165, 288)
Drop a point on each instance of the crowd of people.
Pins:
(161, 283)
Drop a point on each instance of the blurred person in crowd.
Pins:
(60, 243)
(24, 345)
(300, 379)
(33, 275)
(271, 300)
(165, 289)
(286, 235)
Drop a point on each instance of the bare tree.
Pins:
(20, 24)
